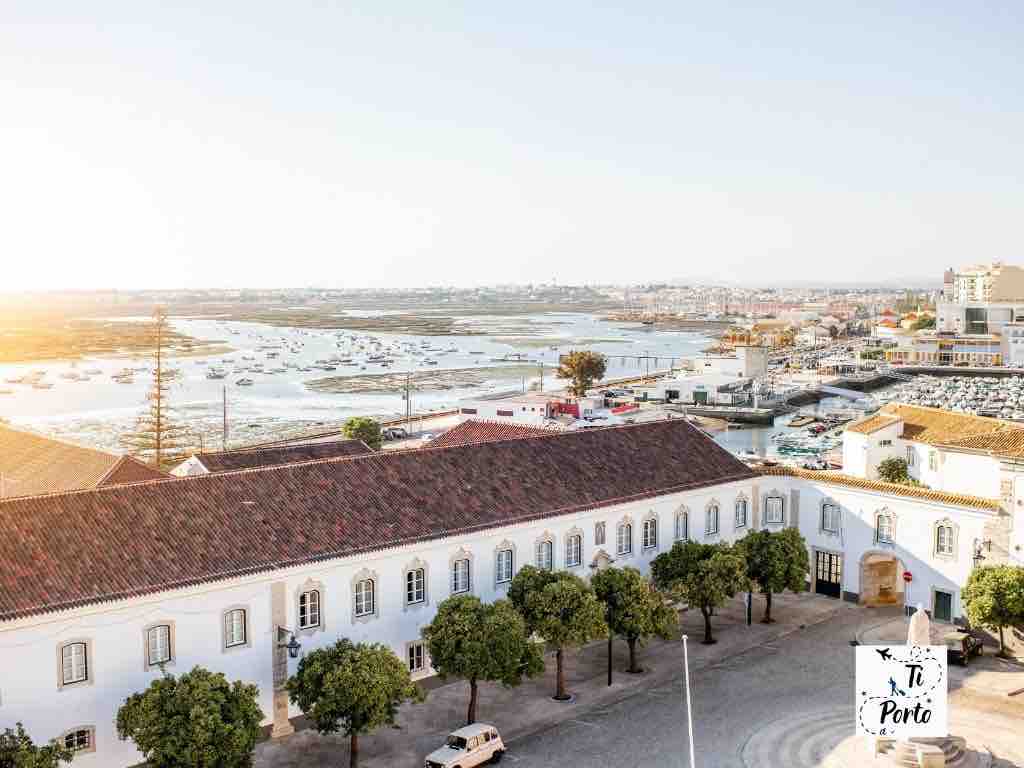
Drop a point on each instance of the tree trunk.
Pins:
(767, 607)
(560, 693)
(708, 639)
(610, 638)
(471, 714)
(353, 750)
(1002, 643)
(633, 668)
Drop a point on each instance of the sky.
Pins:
(387, 144)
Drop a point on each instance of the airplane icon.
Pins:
(885, 653)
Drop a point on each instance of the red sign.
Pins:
(908, 576)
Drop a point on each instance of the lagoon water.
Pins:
(96, 412)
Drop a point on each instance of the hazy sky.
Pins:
(373, 144)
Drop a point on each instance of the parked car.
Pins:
(960, 646)
(469, 746)
(394, 433)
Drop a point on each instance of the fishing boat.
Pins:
(244, 382)
(42, 385)
(215, 373)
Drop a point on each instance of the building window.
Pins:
(364, 605)
(545, 555)
(416, 657)
(460, 576)
(309, 609)
(624, 539)
(415, 586)
(74, 659)
(944, 539)
(910, 455)
(933, 460)
(650, 534)
(830, 518)
(598, 534)
(234, 628)
(682, 526)
(773, 510)
(741, 513)
(503, 566)
(711, 519)
(505, 413)
(884, 527)
(158, 644)
(573, 550)
(469, 411)
(80, 740)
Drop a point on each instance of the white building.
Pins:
(220, 569)
(983, 283)
(746, 362)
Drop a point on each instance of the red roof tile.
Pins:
(483, 431)
(71, 549)
(130, 470)
(251, 458)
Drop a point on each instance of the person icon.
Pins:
(894, 690)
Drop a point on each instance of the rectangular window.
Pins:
(309, 609)
(364, 597)
(650, 534)
(773, 509)
(158, 645)
(711, 520)
(830, 518)
(234, 627)
(573, 551)
(506, 413)
(682, 526)
(460, 576)
(883, 528)
(469, 411)
(624, 539)
(741, 513)
(74, 663)
(416, 657)
(545, 555)
(79, 740)
(944, 540)
(933, 460)
(503, 567)
(910, 455)
(599, 534)
(415, 586)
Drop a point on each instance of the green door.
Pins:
(700, 398)
(943, 609)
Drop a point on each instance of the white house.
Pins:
(103, 586)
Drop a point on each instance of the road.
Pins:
(779, 706)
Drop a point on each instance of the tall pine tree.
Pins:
(158, 437)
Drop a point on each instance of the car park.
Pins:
(470, 746)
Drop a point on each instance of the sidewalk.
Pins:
(518, 712)
(985, 675)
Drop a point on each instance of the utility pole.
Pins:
(542, 376)
(408, 406)
(224, 430)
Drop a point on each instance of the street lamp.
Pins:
(292, 645)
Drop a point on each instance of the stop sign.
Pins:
(908, 576)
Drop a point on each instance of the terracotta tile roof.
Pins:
(872, 424)
(1008, 443)
(77, 548)
(933, 425)
(130, 470)
(33, 464)
(484, 431)
(251, 458)
(909, 491)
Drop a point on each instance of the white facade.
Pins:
(528, 409)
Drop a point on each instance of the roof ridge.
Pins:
(262, 448)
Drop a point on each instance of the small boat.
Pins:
(244, 382)
(215, 374)
(42, 385)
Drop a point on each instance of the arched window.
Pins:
(545, 555)
(741, 513)
(573, 550)
(624, 539)
(309, 609)
(682, 525)
(711, 520)
(885, 527)
(650, 534)
(364, 597)
(415, 586)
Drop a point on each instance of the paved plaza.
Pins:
(776, 696)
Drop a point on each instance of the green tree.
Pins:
(634, 609)
(481, 641)
(994, 596)
(561, 608)
(18, 751)
(894, 470)
(363, 428)
(582, 368)
(923, 323)
(776, 561)
(701, 575)
(198, 720)
(353, 688)
(158, 436)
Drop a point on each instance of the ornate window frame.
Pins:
(171, 645)
(648, 519)
(575, 531)
(954, 538)
(504, 546)
(773, 494)
(310, 585)
(90, 676)
(91, 729)
(741, 498)
(462, 554)
(545, 538)
(885, 512)
(416, 564)
(712, 505)
(365, 574)
(620, 526)
(681, 513)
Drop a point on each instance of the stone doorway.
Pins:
(881, 579)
